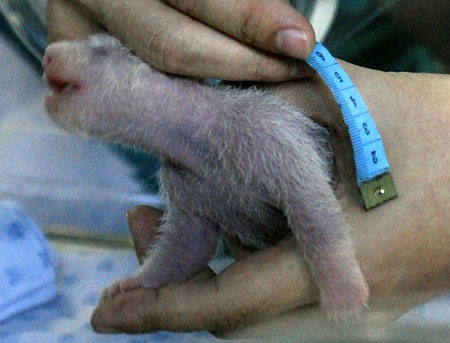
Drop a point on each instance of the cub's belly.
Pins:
(261, 230)
(239, 210)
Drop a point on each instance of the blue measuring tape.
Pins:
(372, 167)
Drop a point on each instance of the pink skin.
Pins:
(56, 80)
(241, 162)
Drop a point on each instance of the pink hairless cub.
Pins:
(242, 162)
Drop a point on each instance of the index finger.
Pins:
(174, 42)
(271, 25)
(263, 285)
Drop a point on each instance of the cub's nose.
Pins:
(59, 72)
(57, 52)
(51, 53)
(46, 60)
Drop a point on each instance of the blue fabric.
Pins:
(27, 263)
(82, 274)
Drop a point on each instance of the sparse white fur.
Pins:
(238, 161)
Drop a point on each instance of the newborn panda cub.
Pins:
(241, 162)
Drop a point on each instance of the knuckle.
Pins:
(163, 50)
(186, 6)
(266, 69)
(251, 20)
(171, 61)
(260, 70)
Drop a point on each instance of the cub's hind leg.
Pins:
(301, 188)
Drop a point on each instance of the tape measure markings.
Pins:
(370, 157)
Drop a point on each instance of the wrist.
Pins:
(383, 94)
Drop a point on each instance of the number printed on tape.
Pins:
(366, 140)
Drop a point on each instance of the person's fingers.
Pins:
(272, 25)
(263, 285)
(67, 20)
(143, 222)
(175, 43)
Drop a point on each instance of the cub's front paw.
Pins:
(121, 286)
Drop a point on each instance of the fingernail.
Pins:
(293, 43)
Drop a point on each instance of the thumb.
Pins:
(143, 222)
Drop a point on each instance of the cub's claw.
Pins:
(119, 287)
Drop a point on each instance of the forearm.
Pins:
(412, 112)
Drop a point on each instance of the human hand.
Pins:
(232, 40)
(402, 246)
